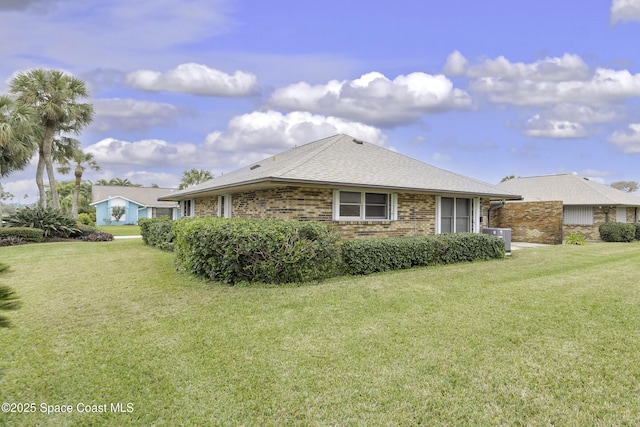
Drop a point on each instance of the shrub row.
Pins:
(251, 250)
(374, 255)
(25, 234)
(274, 251)
(157, 232)
(618, 232)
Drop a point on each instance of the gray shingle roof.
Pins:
(570, 189)
(144, 196)
(341, 160)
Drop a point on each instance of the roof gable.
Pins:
(570, 189)
(342, 160)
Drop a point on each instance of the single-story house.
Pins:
(138, 202)
(361, 188)
(555, 206)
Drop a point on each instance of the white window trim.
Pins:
(191, 208)
(227, 205)
(393, 208)
(475, 213)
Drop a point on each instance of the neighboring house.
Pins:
(139, 202)
(555, 206)
(361, 188)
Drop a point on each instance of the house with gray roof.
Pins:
(138, 202)
(361, 188)
(584, 205)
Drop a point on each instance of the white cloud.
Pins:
(147, 153)
(195, 79)
(566, 67)
(373, 98)
(540, 127)
(260, 134)
(131, 114)
(629, 141)
(625, 10)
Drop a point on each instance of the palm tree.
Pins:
(193, 177)
(82, 161)
(17, 143)
(54, 95)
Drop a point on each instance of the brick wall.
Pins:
(416, 212)
(533, 222)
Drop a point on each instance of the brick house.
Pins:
(555, 206)
(359, 187)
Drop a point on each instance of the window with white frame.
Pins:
(364, 205)
(186, 208)
(578, 215)
(458, 215)
(224, 206)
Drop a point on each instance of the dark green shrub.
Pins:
(24, 233)
(84, 230)
(98, 236)
(637, 226)
(55, 223)
(270, 251)
(617, 232)
(8, 298)
(157, 232)
(373, 255)
(12, 241)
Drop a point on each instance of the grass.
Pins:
(549, 336)
(121, 230)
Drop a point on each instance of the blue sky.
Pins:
(485, 89)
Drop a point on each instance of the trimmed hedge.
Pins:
(157, 232)
(637, 226)
(26, 234)
(617, 232)
(254, 250)
(368, 256)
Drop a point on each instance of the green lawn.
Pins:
(548, 336)
(121, 230)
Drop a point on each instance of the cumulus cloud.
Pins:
(566, 67)
(132, 115)
(625, 10)
(628, 141)
(146, 153)
(374, 98)
(260, 134)
(540, 127)
(196, 79)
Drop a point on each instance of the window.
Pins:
(458, 215)
(224, 206)
(186, 208)
(578, 215)
(362, 205)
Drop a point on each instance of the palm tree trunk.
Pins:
(47, 148)
(42, 193)
(76, 193)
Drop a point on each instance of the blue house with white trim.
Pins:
(138, 202)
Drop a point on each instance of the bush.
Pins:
(617, 232)
(86, 219)
(55, 223)
(575, 239)
(25, 234)
(637, 226)
(84, 230)
(270, 251)
(98, 236)
(8, 299)
(157, 232)
(373, 255)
